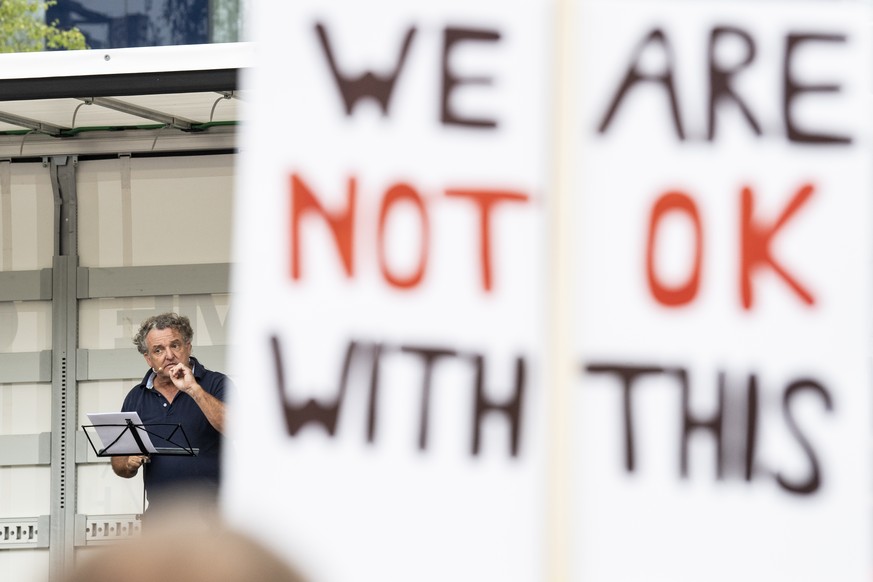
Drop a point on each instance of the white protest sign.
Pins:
(389, 294)
(722, 411)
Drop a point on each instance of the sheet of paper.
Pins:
(110, 426)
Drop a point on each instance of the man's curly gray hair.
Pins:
(163, 321)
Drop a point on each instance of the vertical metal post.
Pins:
(64, 389)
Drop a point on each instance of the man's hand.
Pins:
(128, 466)
(134, 462)
(182, 378)
(213, 408)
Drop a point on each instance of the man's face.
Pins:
(165, 348)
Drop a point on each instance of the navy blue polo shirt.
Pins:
(167, 473)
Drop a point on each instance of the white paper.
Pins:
(109, 425)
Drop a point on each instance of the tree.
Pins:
(23, 28)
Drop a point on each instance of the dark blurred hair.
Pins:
(185, 547)
(163, 321)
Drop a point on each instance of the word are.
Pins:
(736, 443)
(721, 82)
(305, 204)
(364, 359)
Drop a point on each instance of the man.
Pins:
(177, 390)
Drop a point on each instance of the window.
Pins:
(137, 23)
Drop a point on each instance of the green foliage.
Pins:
(23, 28)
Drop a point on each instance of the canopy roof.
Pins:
(153, 99)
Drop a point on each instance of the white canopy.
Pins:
(153, 99)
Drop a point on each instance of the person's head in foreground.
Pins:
(185, 548)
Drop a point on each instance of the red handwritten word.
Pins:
(756, 239)
(305, 203)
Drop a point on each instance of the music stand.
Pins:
(127, 435)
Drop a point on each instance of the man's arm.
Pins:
(127, 467)
(212, 407)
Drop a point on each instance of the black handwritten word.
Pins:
(380, 87)
(744, 443)
(305, 203)
(755, 247)
(365, 359)
(721, 83)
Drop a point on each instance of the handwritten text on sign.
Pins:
(359, 201)
(395, 337)
(721, 406)
(735, 421)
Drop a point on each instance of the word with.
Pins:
(366, 358)
(304, 203)
(380, 88)
(733, 441)
(755, 243)
(721, 82)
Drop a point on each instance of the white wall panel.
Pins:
(25, 408)
(171, 211)
(103, 396)
(27, 565)
(24, 491)
(25, 326)
(111, 323)
(101, 492)
(26, 217)
(26, 244)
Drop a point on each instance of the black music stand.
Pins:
(126, 435)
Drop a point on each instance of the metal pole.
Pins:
(64, 388)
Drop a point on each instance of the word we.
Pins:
(380, 87)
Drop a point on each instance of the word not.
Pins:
(380, 87)
(735, 442)
(721, 83)
(305, 203)
(755, 244)
(364, 359)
